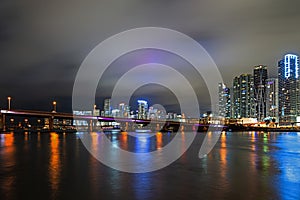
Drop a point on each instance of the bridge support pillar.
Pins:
(158, 127)
(90, 125)
(51, 122)
(2, 123)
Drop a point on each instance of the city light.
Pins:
(142, 102)
(291, 60)
(9, 100)
(54, 106)
(251, 97)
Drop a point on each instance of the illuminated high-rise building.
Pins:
(152, 113)
(115, 112)
(142, 109)
(272, 102)
(288, 79)
(124, 110)
(243, 102)
(260, 75)
(224, 101)
(107, 107)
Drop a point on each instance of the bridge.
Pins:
(53, 121)
(42, 118)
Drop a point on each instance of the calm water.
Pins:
(241, 166)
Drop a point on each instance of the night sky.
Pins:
(43, 43)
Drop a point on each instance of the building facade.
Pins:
(124, 110)
(142, 109)
(243, 101)
(260, 75)
(224, 107)
(107, 108)
(288, 80)
(272, 100)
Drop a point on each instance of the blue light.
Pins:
(289, 60)
(287, 159)
(142, 102)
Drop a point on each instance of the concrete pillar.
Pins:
(2, 122)
(90, 125)
(51, 122)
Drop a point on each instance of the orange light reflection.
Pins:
(159, 143)
(55, 163)
(7, 141)
(123, 139)
(223, 155)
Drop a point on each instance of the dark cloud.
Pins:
(43, 43)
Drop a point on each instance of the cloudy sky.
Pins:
(43, 43)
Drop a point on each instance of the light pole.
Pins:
(54, 106)
(8, 99)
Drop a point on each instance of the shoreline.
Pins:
(234, 128)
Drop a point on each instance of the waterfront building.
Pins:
(152, 113)
(288, 80)
(122, 110)
(115, 113)
(171, 115)
(161, 114)
(80, 122)
(272, 102)
(243, 101)
(260, 75)
(142, 109)
(224, 101)
(107, 107)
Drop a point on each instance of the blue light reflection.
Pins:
(288, 158)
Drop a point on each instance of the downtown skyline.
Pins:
(149, 99)
(43, 44)
(65, 107)
(259, 96)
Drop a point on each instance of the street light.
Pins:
(8, 99)
(54, 106)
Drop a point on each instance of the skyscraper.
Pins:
(224, 101)
(142, 109)
(260, 75)
(272, 102)
(152, 113)
(288, 79)
(243, 105)
(107, 107)
(124, 110)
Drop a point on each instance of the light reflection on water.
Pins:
(248, 165)
(288, 158)
(7, 151)
(54, 163)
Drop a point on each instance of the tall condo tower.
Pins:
(224, 101)
(143, 109)
(107, 107)
(260, 75)
(243, 102)
(288, 80)
(272, 102)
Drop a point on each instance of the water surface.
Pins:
(246, 165)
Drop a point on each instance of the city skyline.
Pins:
(43, 47)
(251, 96)
(101, 101)
(262, 97)
(150, 99)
